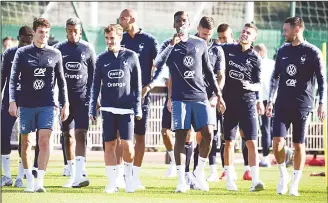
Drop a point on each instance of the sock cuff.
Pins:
(282, 164)
(202, 159)
(5, 156)
(128, 164)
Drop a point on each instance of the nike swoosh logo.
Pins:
(177, 49)
(106, 65)
(231, 54)
(284, 57)
(64, 56)
(32, 61)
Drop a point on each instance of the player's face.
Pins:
(126, 21)
(247, 35)
(25, 40)
(73, 33)
(8, 43)
(113, 41)
(225, 37)
(204, 33)
(181, 21)
(41, 35)
(289, 33)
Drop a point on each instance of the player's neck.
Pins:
(134, 30)
(297, 41)
(115, 49)
(39, 45)
(245, 47)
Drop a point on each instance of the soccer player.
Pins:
(187, 59)
(39, 66)
(146, 47)
(243, 68)
(225, 35)
(7, 43)
(25, 35)
(216, 56)
(79, 64)
(265, 122)
(118, 70)
(298, 65)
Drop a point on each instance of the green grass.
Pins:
(160, 189)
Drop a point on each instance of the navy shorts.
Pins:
(243, 114)
(141, 125)
(299, 119)
(187, 113)
(7, 124)
(166, 117)
(113, 122)
(36, 118)
(78, 117)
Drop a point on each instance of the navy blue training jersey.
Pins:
(187, 61)
(217, 60)
(119, 79)
(146, 47)
(297, 67)
(79, 64)
(240, 66)
(7, 60)
(39, 69)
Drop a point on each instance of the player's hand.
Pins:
(138, 118)
(93, 118)
(260, 108)
(64, 112)
(97, 106)
(321, 112)
(247, 85)
(269, 109)
(145, 90)
(169, 105)
(13, 111)
(175, 39)
(221, 105)
(213, 101)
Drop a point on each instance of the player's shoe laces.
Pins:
(19, 183)
(213, 177)
(29, 187)
(6, 181)
(129, 186)
(200, 180)
(247, 175)
(293, 191)
(282, 187)
(138, 184)
(66, 172)
(257, 187)
(69, 183)
(111, 188)
(182, 188)
(83, 182)
(171, 171)
(231, 186)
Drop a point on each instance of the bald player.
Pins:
(146, 47)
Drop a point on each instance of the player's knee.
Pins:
(298, 147)
(166, 133)
(43, 142)
(140, 139)
(278, 143)
(127, 145)
(110, 146)
(80, 135)
(250, 144)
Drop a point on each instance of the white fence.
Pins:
(313, 142)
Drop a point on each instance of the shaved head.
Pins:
(128, 17)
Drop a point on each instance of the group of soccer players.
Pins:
(213, 86)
